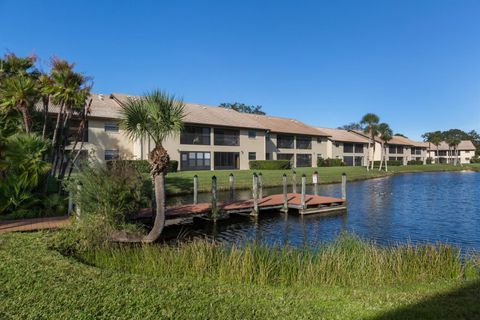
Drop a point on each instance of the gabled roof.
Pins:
(343, 135)
(209, 115)
(463, 145)
(395, 140)
(285, 125)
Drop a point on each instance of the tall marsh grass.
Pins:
(346, 261)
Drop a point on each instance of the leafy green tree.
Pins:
(21, 169)
(352, 126)
(385, 135)
(370, 122)
(241, 107)
(435, 138)
(400, 135)
(156, 116)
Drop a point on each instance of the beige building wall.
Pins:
(464, 156)
(319, 148)
(100, 140)
(337, 151)
(174, 147)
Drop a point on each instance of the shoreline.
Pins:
(367, 175)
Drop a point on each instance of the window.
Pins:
(348, 148)
(348, 160)
(319, 139)
(111, 126)
(359, 148)
(194, 160)
(358, 161)
(252, 156)
(442, 153)
(111, 154)
(416, 150)
(393, 148)
(268, 156)
(285, 156)
(226, 160)
(252, 134)
(284, 141)
(226, 137)
(304, 142)
(195, 135)
(304, 160)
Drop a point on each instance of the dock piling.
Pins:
(285, 193)
(231, 183)
(304, 190)
(294, 182)
(255, 194)
(195, 189)
(344, 186)
(214, 198)
(260, 185)
(315, 183)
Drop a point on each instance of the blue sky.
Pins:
(414, 63)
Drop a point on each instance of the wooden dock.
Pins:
(313, 205)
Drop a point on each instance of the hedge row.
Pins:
(143, 166)
(414, 162)
(269, 164)
(329, 162)
(392, 163)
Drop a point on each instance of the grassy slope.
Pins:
(182, 182)
(37, 283)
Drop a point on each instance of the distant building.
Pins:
(445, 154)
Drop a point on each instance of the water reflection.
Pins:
(422, 207)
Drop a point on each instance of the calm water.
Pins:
(422, 207)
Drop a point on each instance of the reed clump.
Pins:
(347, 261)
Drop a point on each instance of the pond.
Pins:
(419, 207)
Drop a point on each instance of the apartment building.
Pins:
(217, 138)
(445, 154)
(398, 148)
(348, 146)
(213, 138)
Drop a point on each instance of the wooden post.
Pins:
(214, 198)
(231, 183)
(315, 183)
(260, 186)
(294, 182)
(285, 193)
(195, 189)
(255, 194)
(304, 190)
(344, 186)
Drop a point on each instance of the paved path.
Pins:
(34, 224)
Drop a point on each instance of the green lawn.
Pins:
(182, 182)
(39, 283)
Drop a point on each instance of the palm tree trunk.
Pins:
(45, 115)
(381, 159)
(373, 153)
(386, 159)
(158, 160)
(26, 121)
(368, 156)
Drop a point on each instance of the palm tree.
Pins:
(370, 121)
(19, 92)
(385, 135)
(156, 116)
(434, 138)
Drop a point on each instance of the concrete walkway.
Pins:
(34, 224)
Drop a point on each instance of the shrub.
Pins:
(143, 167)
(475, 160)
(269, 164)
(414, 162)
(113, 191)
(330, 162)
(392, 163)
(429, 160)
